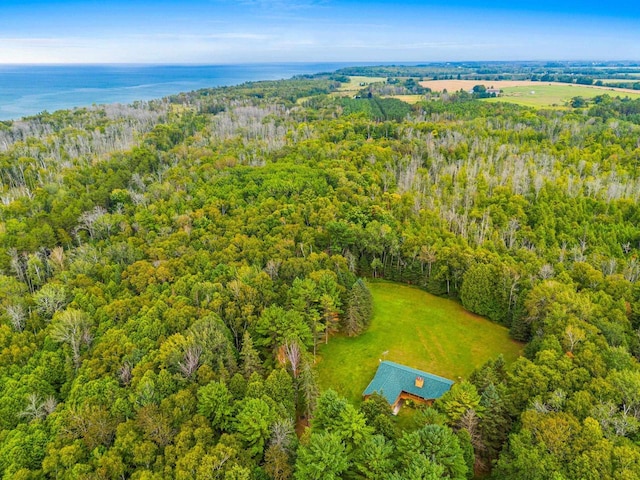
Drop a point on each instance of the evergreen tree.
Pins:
(215, 403)
(324, 458)
(249, 355)
(436, 443)
(482, 293)
(359, 309)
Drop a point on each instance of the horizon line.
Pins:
(301, 62)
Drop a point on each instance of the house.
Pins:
(397, 383)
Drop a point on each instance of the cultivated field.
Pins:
(555, 95)
(456, 85)
(414, 328)
(411, 99)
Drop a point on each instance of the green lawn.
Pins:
(417, 329)
(553, 95)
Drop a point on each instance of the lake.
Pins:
(31, 89)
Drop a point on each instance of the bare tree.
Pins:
(17, 316)
(427, 255)
(512, 229)
(57, 257)
(38, 409)
(50, 299)
(469, 421)
(272, 268)
(574, 336)
(73, 327)
(89, 221)
(49, 405)
(545, 272)
(190, 360)
(632, 270)
(609, 266)
(18, 264)
(293, 354)
(282, 432)
(34, 409)
(125, 373)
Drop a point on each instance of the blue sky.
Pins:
(246, 31)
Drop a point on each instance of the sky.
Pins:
(264, 31)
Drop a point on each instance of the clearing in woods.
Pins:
(357, 83)
(417, 329)
(532, 94)
(555, 95)
(456, 85)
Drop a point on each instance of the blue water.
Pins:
(28, 90)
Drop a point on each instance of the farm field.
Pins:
(456, 85)
(417, 329)
(411, 99)
(555, 95)
(354, 83)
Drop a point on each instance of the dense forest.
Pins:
(168, 269)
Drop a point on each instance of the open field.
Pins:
(354, 83)
(554, 95)
(417, 329)
(456, 85)
(411, 99)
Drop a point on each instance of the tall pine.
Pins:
(359, 309)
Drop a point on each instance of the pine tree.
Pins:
(359, 309)
(250, 359)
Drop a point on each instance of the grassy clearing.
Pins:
(410, 99)
(556, 95)
(354, 83)
(457, 85)
(417, 329)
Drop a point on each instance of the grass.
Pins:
(417, 329)
(553, 95)
(410, 99)
(354, 83)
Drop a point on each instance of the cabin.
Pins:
(398, 383)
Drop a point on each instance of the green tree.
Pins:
(374, 459)
(324, 458)
(277, 325)
(482, 293)
(359, 309)
(253, 423)
(328, 411)
(249, 355)
(461, 397)
(215, 403)
(436, 443)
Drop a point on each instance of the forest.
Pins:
(169, 268)
(615, 74)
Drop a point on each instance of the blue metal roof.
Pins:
(391, 379)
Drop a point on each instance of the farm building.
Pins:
(397, 383)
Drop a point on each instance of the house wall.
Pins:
(415, 398)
